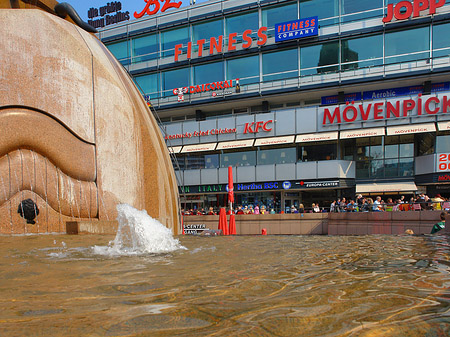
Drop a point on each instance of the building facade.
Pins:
(309, 100)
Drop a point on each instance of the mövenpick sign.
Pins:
(415, 8)
(392, 109)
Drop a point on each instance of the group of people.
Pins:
(362, 204)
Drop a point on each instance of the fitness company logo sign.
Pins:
(404, 9)
(296, 29)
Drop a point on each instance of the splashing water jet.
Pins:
(138, 233)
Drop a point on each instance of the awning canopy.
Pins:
(408, 186)
(198, 147)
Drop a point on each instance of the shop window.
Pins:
(208, 73)
(244, 68)
(362, 52)
(120, 50)
(318, 152)
(443, 144)
(441, 40)
(398, 46)
(170, 38)
(319, 59)
(145, 48)
(277, 156)
(247, 158)
(206, 30)
(280, 65)
(174, 79)
(148, 84)
(178, 162)
(347, 149)
(202, 161)
(425, 143)
(359, 10)
(239, 23)
(327, 10)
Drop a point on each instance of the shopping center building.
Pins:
(309, 101)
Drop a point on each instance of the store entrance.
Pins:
(291, 199)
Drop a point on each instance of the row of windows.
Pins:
(330, 12)
(342, 55)
(377, 157)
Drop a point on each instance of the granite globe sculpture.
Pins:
(76, 136)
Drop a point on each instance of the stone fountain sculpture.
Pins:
(76, 136)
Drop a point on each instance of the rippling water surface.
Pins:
(227, 286)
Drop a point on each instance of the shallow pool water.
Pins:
(59, 285)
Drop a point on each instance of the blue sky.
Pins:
(82, 6)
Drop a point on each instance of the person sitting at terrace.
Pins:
(293, 209)
(239, 210)
(352, 207)
(211, 211)
(440, 225)
(377, 207)
(437, 202)
(301, 208)
(256, 209)
(263, 209)
(343, 205)
(316, 208)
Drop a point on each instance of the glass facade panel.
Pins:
(443, 144)
(398, 46)
(441, 40)
(246, 158)
(406, 167)
(149, 84)
(362, 52)
(174, 79)
(201, 161)
(170, 38)
(233, 24)
(277, 156)
(326, 10)
(206, 30)
(244, 68)
(207, 73)
(145, 48)
(315, 59)
(120, 50)
(363, 9)
(277, 14)
(280, 64)
(317, 152)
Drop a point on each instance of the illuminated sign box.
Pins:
(296, 29)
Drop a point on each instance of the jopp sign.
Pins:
(413, 8)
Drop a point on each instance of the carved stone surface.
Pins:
(76, 136)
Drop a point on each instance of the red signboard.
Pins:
(217, 45)
(401, 108)
(155, 7)
(443, 162)
(404, 9)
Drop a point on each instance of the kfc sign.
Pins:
(254, 127)
(404, 9)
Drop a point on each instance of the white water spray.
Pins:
(138, 234)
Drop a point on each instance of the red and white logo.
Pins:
(180, 92)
